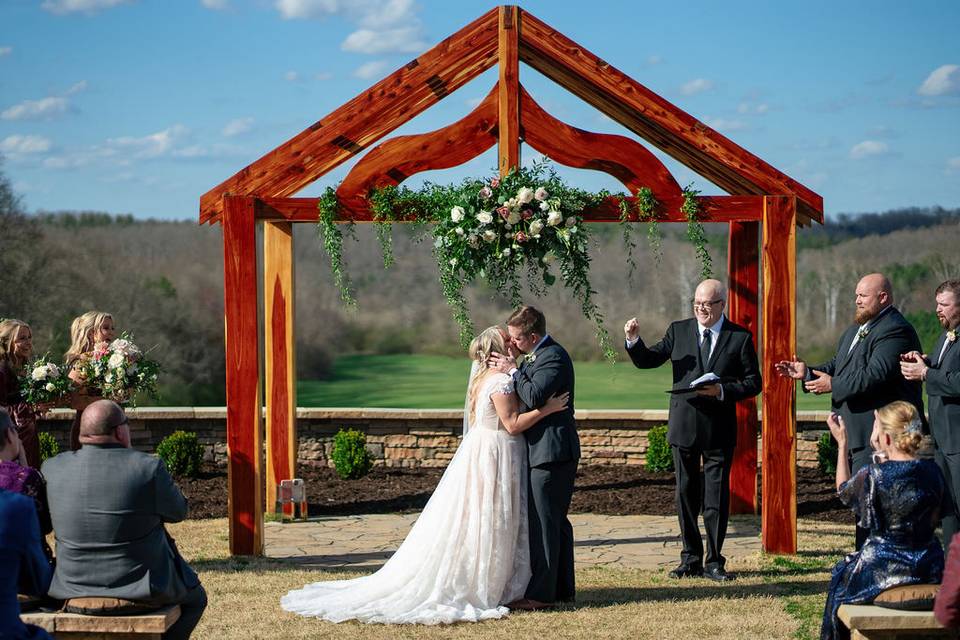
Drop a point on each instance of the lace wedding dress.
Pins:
(466, 555)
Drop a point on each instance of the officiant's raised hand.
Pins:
(796, 368)
(631, 330)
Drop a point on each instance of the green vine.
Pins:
(695, 230)
(649, 208)
(628, 244)
(332, 238)
(383, 203)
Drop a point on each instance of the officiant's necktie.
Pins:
(705, 349)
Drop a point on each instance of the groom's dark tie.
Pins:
(705, 350)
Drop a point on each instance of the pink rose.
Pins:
(527, 214)
(486, 193)
(503, 212)
(521, 236)
(494, 182)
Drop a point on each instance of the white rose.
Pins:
(544, 205)
(459, 231)
(506, 252)
(554, 218)
(548, 258)
(541, 194)
(116, 360)
(39, 373)
(514, 217)
(473, 240)
(120, 345)
(453, 262)
(572, 220)
(50, 386)
(53, 370)
(489, 235)
(457, 213)
(484, 217)
(536, 227)
(525, 195)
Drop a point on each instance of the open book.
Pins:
(699, 383)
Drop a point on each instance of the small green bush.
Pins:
(659, 456)
(350, 456)
(827, 454)
(182, 453)
(48, 446)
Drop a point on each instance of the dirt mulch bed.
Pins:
(599, 489)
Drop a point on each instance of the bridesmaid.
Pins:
(86, 331)
(16, 347)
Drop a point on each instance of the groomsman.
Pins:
(702, 427)
(941, 372)
(864, 375)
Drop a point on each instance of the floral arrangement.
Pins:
(45, 382)
(119, 370)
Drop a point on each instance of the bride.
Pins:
(468, 552)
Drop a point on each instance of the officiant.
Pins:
(703, 421)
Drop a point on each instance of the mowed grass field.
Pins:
(439, 382)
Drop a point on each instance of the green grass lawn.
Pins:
(438, 382)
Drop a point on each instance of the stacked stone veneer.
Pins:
(410, 437)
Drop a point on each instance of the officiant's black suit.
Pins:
(553, 450)
(703, 428)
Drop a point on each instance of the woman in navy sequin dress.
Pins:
(899, 500)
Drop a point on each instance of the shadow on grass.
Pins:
(604, 597)
(240, 564)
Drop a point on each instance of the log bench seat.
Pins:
(870, 622)
(74, 626)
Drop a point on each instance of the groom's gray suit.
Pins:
(553, 451)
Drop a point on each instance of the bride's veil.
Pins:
(466, 402)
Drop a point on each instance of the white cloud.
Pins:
(62, 7)
(942, 81)
(385, 25)
(16, 144)
(44, 108)
(291, 76)
(953, 164)
(216, 5)
(868, 148)
(726, 125)
(5, 51)
(756, 108)
(237, 126)
(78, 87)
(306, 9)
(371, 70)
(403, 40)
(153, 145)
(698, 85)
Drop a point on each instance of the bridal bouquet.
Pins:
(119, 370)
(44, 382)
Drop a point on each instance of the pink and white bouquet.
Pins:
(44, 382)
(118, 370)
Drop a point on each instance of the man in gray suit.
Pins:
(941, 371)
(108, 504)
(553, 450)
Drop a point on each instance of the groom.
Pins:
(553, 450)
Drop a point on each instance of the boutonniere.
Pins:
(528, 358)
(862, 332)
(952, 336)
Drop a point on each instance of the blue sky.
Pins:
(139, 107)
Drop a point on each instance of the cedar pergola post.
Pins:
(761, 198)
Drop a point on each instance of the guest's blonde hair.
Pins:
(82, 334)
(900, 421)
(489, 340)
(9, 332)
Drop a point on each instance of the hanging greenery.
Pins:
(332, 238)
(649, 208)
(695, 232)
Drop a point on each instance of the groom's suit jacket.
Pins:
(698, 421)
(943, 392)
(554, 438)
(868, 376)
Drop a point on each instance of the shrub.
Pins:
(182, 453)
(48, 446)
(827, 454)
(659, 456)
(350, 456)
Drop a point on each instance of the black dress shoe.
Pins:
(717, 574)
(684, 571)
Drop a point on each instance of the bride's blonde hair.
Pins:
(82, 333)
(489, 340)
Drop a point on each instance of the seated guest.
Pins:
(899, 499)
(108, 503)
(947, 607)
(17, 477)
(23, 566)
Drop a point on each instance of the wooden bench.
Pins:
(73, 626)
(869, 622)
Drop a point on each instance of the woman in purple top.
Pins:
(17, 477)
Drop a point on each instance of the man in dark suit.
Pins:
(864, 375)
(108, 503)
(941, 371)
(553, 451)
(703, 420)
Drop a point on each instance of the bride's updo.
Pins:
(489, 340)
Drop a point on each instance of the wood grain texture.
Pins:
(648, 115)
(626, 160)
(508, 90)
(779, 464)
(362, 121)
(743, 259)
(399, 158)
(244, 435)
(280, 365)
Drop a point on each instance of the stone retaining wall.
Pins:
(409, 437)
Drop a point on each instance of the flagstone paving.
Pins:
(365, 542)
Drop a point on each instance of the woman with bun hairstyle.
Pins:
(86, 332)
(899, 498)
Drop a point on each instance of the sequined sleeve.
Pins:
(859, 493)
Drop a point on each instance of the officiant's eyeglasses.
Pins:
(705, 305)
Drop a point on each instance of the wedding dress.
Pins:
(468, 552)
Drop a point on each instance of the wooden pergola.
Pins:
(763, 210)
